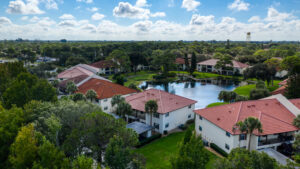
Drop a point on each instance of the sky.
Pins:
(150, 19)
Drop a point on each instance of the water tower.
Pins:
(248, 38)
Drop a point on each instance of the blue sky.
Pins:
(150, 19)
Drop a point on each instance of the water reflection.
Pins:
(204, 92)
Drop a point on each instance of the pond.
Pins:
(204, 92)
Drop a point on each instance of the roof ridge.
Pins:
(162, 107)
(239, 112)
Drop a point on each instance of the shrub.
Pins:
(148, 140)
(218, 149)
(259, 93)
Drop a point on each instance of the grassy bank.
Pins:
(159, 152)
(245, 90)
(216, 104)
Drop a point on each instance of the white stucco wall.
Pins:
(106, 103)
(174, 119)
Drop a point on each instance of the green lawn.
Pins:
(216, 104)
(203, 75)
(137, 78)
(159, 152)
(245, 90)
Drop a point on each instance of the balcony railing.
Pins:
(280, 139)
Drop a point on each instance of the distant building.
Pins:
(78, 70)
(276, 114)
(180, 62)
(281, 89)
(209, 66)
(106, 67)
(173, 110)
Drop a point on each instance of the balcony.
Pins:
(279, 139)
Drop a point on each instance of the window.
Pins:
(167, 125)
(156, 125)
(200, 117)
(105, 108)
(156, 115)
(200, 128)
(105, 100)
(189, 116)
(190, 106)
(167, 115)
(243, 137)
(227, 146)
(227, 134)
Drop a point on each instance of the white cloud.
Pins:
(141, 3)
(20, 7)
(4, 20)
(274, 15)
(85, 1)
(24, 18)
(190, 5)
(202, 20)
(239, 5)
(97, 16)
(254, 19)
(126, 10)
(67, 17)
(171, 3)
(93, 9)
(68, 23)
(158, 14)
(51, 4)
(34, 19)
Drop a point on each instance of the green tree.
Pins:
(43, 91)
(24, 150)
(123, 109)
(10, 122)
(193, 63)
(289, 62)
(82, 162)
(91, 94)
(71, 87)
(78, 97)
(186, 62)
(293, 85)
(225, 63)
(192, 153)
(151, 107)
(121, 59)
(117, 154)
(248, 126)
(117, 99)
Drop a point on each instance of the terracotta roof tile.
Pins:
(166, 102)
(180, 61)
(103, 64)
(280, 90)
(275, 118)
(62, 85)
(81, 69)
(104, 88)
(296, 102)
(213, 62)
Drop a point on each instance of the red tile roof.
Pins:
(275, 118)
(166, 102)
(62, 85)
(180, 61)
(103, 64)
(284, 82)
(80, 69)
(104, 88)
(296, 102)
(280, 90)
(213, 62)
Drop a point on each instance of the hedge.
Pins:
(148, 140)
(218, 149)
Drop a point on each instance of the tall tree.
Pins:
(91, 94)
(192, 153)
(248, 126)
(151, 108)
(193, 63)
(71, 87)
(117, 99)
(123, 109)
(186, 62)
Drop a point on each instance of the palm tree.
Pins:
(123, 109)
(91, 94)
(117, 99)
(150, 108)
(71, 87)
(248, 126)
(296, 121)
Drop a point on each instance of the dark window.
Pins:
(105, 108)
(156, 115)
(189, 116)
(200, 117)
(167, 115)
(167, 125)
(227, 134)
(227, 146)
(190, 106)
(156, 125)
(200, 128)
(243, 137)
